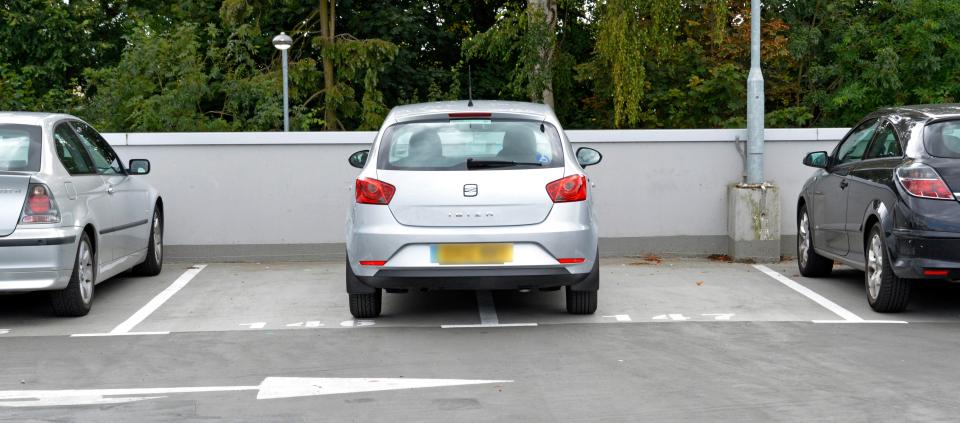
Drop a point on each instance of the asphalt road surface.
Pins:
(677, 340)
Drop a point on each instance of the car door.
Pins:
(127, 198)
(871, 180)
(830, 194)
(84, 186)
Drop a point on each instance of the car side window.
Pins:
(854, 147)
(886, 144)
(104, 158)
(71, 152)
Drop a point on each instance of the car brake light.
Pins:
(936, 272)
(571, 188)
(40, 206)
(468, 115)
(372, 191)
(372, 262)
(922, 181)
(571, 260)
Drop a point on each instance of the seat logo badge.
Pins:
(470, 190)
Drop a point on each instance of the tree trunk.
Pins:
(327, 31)
(546, 9)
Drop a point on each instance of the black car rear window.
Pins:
(942, 139)
(447, 145)
(19, 148)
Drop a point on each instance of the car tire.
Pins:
(812, 265)
(886, 293)
(364, 306)
(585, 302)
(76, 299)
(153, 263)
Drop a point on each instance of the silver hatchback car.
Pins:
(472, 195)
(71, 215)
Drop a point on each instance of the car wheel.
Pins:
(811, 264)
(364, 306)
(886, 292)
(76, 298)
(584, 302)
(153, 264)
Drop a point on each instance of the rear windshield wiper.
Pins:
(478, 164)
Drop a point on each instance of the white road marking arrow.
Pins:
(270, 388)
(671, 316)
(719, 316)
(254, 325)
(621, 317)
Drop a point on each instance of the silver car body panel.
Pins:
(435, 207)
(41, 256)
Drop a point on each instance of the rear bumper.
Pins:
(35, 259)
(915, 251)
(569, 231)
(472, 278)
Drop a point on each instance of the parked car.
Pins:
(71, 215)
(472, 196)
(882, 201)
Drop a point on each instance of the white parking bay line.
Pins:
(157, 301)
(488, 311)
(488, 314)
(844, 314)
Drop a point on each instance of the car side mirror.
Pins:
(587, 156)
(818, 159)
(139, 167)
(359, 159)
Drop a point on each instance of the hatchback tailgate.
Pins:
(471, 197)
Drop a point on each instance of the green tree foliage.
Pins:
(136, 65)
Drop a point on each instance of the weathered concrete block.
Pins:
(753, 222)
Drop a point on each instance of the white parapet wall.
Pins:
(272, 195)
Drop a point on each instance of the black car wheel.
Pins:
(886, 292)
(811, 264)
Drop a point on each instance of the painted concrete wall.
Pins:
(660, 191)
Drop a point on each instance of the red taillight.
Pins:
(936, 272)
(372, 262)
(571, 188)
(922, 181)
(571, 260)
(372, 191)
(40, 206)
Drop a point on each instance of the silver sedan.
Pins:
(71, 214)
(472, 195)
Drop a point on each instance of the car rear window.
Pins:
(19, 148)
(446, 145)
(942, 139)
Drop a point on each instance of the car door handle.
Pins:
(844, 184)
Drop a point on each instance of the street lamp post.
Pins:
(283, 42)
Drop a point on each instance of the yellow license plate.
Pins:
(472, 253)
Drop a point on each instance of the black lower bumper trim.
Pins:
(37, 242)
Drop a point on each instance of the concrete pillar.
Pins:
(753, 222)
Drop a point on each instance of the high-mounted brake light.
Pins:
(920, 180)
(569, 189)
(469, 115)
(40, 206)
(372, 191)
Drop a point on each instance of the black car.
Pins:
(882, 202)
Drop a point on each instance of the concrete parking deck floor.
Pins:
(672, 340)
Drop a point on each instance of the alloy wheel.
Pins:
(85, 271)
(874, 266)
(804, 239)
(157, 238)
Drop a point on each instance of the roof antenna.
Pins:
(469, 86)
